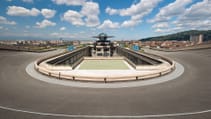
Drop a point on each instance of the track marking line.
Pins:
(106, 116)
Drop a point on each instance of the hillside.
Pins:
(181, 36)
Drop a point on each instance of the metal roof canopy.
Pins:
(103, 37)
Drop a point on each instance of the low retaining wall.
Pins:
(23, 49)
(59, 75)
(104, 58)
(54, 72)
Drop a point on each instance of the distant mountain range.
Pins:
(181, 36)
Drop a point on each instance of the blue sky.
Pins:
(81, 19)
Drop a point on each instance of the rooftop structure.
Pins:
(103, 47)
(196, 39)
(102, 37)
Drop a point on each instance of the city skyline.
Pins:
(81, 19)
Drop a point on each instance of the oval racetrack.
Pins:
(188, 97)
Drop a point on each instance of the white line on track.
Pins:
(107, 116)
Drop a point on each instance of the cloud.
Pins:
(160, 30)
(28, 1)
(1, 27)
(4, 20)
(27, 27)
(197, 16)
(142, 8)
(45, 23)
(62, 28)
(173, 9)
(108, 24)
(135, 11)
(87, 16)
(65, 35)
(161, 25)
(170, 29)
(21, 11)
(54, 34)
(48, 13)
(91, 11)
(69, 2)
(111, 11)
(164, 17)
(199, 11)
(73, 17)
(130, 23)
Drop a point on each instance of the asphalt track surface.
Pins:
(188, 97)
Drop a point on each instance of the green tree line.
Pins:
(181, 36)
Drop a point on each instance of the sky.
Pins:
(82, 19)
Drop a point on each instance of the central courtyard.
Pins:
(104, 61)
(104, 64)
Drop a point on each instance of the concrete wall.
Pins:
(165, 66)
(137, 58)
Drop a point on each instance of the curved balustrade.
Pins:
(162, 67)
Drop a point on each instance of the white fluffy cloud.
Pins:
(108, 24)
(21, 11)
(62, 28)
(69, 2)
(48, 13)
(198, 11)
(73, 17)
(45, 23)
(135, 11)
(130, 23)
(111, 11)
(161, 25)
(91, 11)
(4, 20)
(140, 9)
(88, 15)
(197, 16)
(28, 1)
(159, 30)
(173, 9)
(64, 35)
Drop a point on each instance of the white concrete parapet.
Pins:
(140, 72)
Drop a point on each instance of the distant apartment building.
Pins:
(166, 44)
(196, 39)
(8, 42)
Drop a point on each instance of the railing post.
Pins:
(73, 77)
(136, 77)
(172, 68)
(59, 75)
(105, 80)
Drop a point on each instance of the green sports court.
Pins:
(103, 65)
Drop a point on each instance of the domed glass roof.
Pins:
(102, 34)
